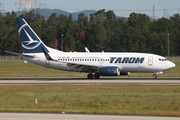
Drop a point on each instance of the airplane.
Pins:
(96, 64)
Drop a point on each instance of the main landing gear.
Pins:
(91, 76)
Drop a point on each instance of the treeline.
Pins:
(101, 31)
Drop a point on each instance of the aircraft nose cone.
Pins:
(171, 65)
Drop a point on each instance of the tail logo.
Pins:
(29, 38)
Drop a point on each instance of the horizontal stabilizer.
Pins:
(20, 54)
(14, 53)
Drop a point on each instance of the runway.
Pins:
(89, 81)
(41, 116)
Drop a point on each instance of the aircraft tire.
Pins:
(96, 75)
(154, 76)
(90, 76)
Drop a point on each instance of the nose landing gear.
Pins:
(154, 76)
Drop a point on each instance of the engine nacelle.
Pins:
(109, 71)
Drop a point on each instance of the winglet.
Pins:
(48, 57)
(87, 50)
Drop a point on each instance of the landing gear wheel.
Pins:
(96, 75)
(154, 76)
(90, 76)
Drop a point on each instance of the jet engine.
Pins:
(109, 71)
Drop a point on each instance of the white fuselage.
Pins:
(126, 61)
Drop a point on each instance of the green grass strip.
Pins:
(163, 100)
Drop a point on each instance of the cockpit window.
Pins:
(162, 59)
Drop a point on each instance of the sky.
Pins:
(162, 8)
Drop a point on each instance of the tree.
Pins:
(69, 34)
(102, 31)
(110, 15)
(10, 39)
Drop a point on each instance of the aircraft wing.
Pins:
(78, 66)
(82, 67)
(87, 67)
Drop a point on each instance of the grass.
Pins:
(161, 100)
(19, 69)
(141, 99)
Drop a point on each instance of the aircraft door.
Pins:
(47, 62)
(150, 61)
(101, 60)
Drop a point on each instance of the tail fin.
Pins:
(31, 43)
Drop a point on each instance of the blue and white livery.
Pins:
(95, 63)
